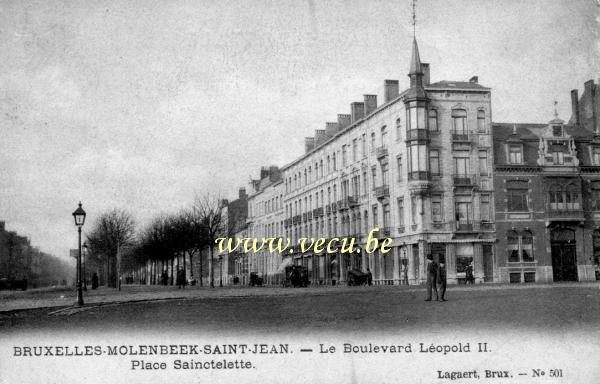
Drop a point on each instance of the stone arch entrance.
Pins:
(564, 254)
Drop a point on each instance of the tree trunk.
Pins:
(211, 272)
(200, 256)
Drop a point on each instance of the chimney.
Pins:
(242, 193)
(343, 121)
(590, 99)
(575, 107)
(264, 172)
(370, 104)
(391, 90)
(309, 144)
(474, 80)
(425, 70)
(320, 137)
(357, 111)
(331, 129)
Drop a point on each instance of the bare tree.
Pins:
(209, 210)
(112, 231)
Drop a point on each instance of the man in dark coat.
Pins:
(94, 280)
(441, 281)
(431, 268)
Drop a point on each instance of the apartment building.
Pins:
(417, 168)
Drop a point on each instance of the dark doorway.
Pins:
(564, 255)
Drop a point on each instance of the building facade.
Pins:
(547, 179)
(417, 168)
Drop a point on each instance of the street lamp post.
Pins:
(221, 271)
(85, 251)
(79, 216)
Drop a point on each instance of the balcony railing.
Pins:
(352, 201)
(417, 134)
(463, 179)
(567, 213)
(418, 176)
(401, 229)
(342, 205)
(328, 209)
(386, 231)
(309, 215)
(333, 207)
(296, 219)
(381, 152)
(382, 191)
(461, 137)
(318, 212)
(304, 217)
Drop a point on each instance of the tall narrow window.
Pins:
(384, 173)
(375, 216)
(365, 183)
(328, 164)
(373, 139)
(436, 208)
(401, 212)
(483, 167)
(413, 210)
(461, 166)
(481, 120)
(386, 215)
(399, 162)
(595, 196)
(512, 246)
(434, 162)
(374, 176)
(484, 207)
(383, 136)
(516, 193)
(527, 246)
(334, 163)
(433, 123)
(398, 129)
(354, 149)
(459, 121)
(363, 144)
(344, 155)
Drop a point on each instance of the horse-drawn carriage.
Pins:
(296, 276)
(357, 277)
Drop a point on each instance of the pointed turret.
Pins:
(416, 74)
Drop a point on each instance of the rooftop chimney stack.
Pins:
(370, 104)
(474, 80)
(391, 90)
(309, 144)
(331, 129)
(242, 193)
(357, 111)
(426, 78)
(589, 91)
(575, 107)
(320, 137)
(343, 121)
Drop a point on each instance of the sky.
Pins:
(143, 105)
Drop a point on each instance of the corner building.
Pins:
(418, 167)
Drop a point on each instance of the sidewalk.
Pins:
(67, 297)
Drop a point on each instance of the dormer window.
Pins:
(515, 154)
(557, 131)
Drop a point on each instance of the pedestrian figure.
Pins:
(180, 278)
(431, 269)
(369, 277)
(441, 281)
(469, 279)
(94, 280)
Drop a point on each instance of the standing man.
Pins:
(431, 269)
(441, 281)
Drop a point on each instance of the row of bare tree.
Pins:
(117, 247)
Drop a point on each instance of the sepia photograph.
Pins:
(308, 191)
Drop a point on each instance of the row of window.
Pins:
(560, 196)
(306, 177)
